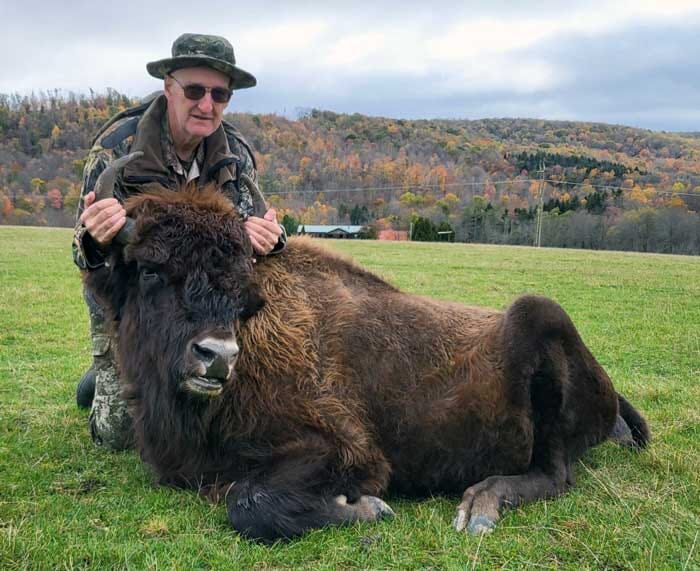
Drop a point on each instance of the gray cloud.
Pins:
(596, 62)
(645, 76)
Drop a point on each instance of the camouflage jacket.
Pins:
(223, 156)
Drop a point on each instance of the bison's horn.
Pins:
(259, 207)
(126, 232)
(104, 188)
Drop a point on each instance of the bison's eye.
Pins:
(149, 277)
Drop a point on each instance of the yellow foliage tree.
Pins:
(38, 184)
(678, 186)
(676, 202)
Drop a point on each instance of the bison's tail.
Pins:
(630, 427)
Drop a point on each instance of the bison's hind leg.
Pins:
(550, 374)
(482, 502)
(622, 433)
(630, 427)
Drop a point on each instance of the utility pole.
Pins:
(540, 206)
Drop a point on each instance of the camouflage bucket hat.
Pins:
(200, 50)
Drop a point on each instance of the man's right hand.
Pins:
(103, 219)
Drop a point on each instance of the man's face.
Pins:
(194, 119)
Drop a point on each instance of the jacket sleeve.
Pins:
(87, 254)
(245, 203)
(252, 173)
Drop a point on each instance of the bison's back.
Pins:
(425, 375)
(387, 337)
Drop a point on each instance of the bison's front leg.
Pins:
(257, 512)
(302, 488)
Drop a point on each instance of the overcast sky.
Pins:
(630, 62)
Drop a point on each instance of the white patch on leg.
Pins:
(460, 520)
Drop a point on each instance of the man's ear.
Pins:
(167, 86)
(253, 302)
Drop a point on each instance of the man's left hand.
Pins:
(263, 232)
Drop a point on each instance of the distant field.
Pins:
(64, 504)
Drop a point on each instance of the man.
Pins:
(184, 140)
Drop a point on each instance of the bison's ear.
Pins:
(109, 285)
(253, 302)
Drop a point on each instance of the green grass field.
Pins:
(66, 505)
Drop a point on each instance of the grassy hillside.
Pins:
(64, 504)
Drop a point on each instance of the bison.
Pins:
(301, 388)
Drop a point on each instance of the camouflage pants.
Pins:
(110, 422)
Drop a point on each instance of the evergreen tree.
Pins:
(424, 230)
(290, 224)
(448, 233)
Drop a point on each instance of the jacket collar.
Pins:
(152, 165)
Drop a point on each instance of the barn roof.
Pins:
(328, 228)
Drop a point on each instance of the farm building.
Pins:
(395, 235)
(330, 231)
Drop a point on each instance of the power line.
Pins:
(612, 187)
(399, 187)
(467, 184)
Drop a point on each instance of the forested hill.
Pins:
(602, 186)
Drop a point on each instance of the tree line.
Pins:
(604, 186)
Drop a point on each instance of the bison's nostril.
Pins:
(203, 354)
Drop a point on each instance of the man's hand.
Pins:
(103, 219)
(263, 232)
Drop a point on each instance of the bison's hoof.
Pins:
(367, 508)
(477, 523)
(480, 524)
(379, 508)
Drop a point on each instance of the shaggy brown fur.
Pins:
(344, 386)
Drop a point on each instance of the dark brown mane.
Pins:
(189, 195)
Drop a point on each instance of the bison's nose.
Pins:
(217, 356)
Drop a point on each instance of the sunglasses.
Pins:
(195, 91)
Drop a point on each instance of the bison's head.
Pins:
(177, 287)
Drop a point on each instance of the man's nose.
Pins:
(206, 104)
